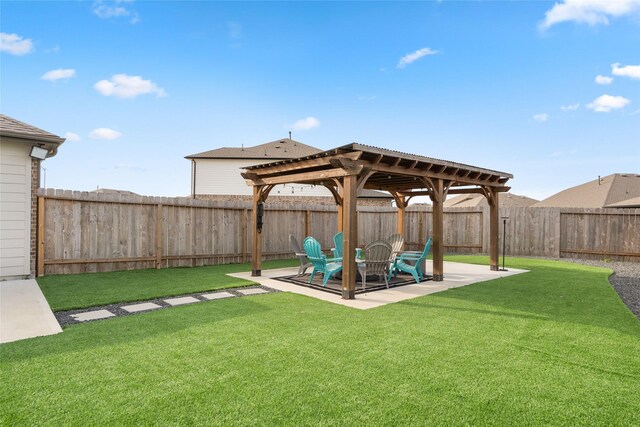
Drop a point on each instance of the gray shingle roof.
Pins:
(593, 194)
(633, 202)
(506, 200)
(17, 129)
(284, 148)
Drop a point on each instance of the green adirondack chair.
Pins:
(400, 263)
(321, 264)
(337, 243)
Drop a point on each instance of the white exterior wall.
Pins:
(222, 176)
(15, 206)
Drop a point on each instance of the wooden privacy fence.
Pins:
(89, 232)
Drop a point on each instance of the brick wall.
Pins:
(33, 242)
(293, 200)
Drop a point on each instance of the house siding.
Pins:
(16, 193)
(222, 177)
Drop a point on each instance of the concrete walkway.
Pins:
(456, 275)
(24, 312)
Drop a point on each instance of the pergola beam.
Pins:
(303, 177)
(295, 165)
(453, 191)
(380, 167)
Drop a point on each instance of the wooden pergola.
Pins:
(346, 170)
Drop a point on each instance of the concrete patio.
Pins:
(458, 275)
(24, 311)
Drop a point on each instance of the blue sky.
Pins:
(549, 92)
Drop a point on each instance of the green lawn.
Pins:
(70, 291)
(555, 346)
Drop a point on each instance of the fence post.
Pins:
(245, 235)
(158, 236)
(557, 231)
(421, 229)
(40, 234)
(307, 223)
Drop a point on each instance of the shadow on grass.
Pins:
(127, 329)
(427, 305)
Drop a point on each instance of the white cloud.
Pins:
(73, 137)
(305, 124)
(603, 80)
(591, 12)
(606, 103)
(58, 74)
(542, 117)
(104, 133)
(632, 71)
(412, 57)
(115, 9)
(125, 86)
(570, 107)
(14, 44)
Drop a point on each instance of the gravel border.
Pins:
(64, 317)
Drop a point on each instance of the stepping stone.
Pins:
(134, 308)
(181, 300)
(252, 291)
(93, 315)
(217, 295)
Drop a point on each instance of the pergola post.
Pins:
(256, 249)
(349, 237)
(494, 228)
(439, 193)
(401, 204)
(401, 220)
(340, 225)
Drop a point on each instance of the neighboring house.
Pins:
(215, 174)
(618, 190)
(114, 192)
(22, 148)
(506, 200)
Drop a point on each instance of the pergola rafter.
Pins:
(346, 170)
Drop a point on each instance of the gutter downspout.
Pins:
(193, 178)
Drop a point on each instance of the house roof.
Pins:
(114, 191)
(506, 200)
(13, 128)
(633, 202)
(598, 193)
(374, 194)
(280, 149)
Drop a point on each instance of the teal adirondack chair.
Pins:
(337, 242)
(414, 269)
(321, 264)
